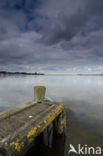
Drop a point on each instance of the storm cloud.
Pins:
(71, 20)
(46, 36)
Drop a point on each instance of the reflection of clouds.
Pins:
(58, 87)
(14, 91)
(87, 111)
(76, 88)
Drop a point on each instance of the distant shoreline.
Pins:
(5, 73)
(19, 73)
(74, 74)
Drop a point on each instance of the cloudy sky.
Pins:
(51, 36)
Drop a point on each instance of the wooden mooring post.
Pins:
(39, 93)
(20, 126)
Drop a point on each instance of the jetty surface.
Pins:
(20, 126)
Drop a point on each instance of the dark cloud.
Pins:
(51, 35)
(66, 26)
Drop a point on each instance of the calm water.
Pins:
(83, 99)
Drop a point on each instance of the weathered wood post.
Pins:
(60, 125)
(39, 93)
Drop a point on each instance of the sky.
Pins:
(51, 36)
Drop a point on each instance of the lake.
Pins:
(83, 99)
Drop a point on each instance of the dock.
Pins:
(20, 126)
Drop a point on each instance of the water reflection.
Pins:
(78, 133)
(83, 98)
